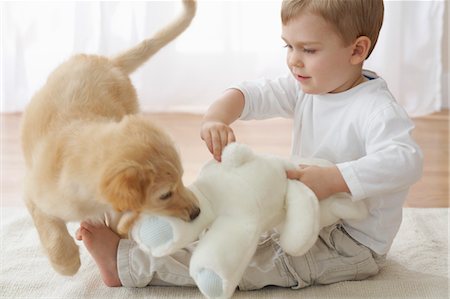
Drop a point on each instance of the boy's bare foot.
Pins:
(102, 243)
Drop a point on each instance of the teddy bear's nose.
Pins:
(194, 214)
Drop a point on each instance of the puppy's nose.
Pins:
(194, 214)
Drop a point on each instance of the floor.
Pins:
(270, 136)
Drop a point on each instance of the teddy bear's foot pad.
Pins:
(153, 231)
(209, 283)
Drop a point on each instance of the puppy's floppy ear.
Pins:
(124, 185)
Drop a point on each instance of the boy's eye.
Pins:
(309, 51)
(305, 50)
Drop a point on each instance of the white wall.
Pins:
(228, 42)
(446, 59)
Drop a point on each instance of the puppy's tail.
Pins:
(130, 60)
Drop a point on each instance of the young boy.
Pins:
(342, 114)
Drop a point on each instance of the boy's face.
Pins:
(317, 56)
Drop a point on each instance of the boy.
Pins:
(342, 114)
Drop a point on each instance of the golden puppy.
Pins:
(88, 152)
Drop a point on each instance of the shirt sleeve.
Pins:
(269, 98)
(393, 161)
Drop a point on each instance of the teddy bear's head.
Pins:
(246, 183)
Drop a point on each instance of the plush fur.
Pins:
(240, 198)
(88, 151)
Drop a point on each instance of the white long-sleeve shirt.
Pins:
(363, 130)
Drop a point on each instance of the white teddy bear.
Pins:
(241, 198)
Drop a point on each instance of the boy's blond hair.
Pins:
(350, 18)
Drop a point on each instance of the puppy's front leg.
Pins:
(126, 222)
(59, 246)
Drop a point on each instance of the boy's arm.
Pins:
(393, 161)
(259, 99)
(215, 129)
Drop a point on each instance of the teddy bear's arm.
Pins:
(163, 235)
(301, 226)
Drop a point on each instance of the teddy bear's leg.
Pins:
(163, 235)
(301, 226)
(341, 206)
(222, 256)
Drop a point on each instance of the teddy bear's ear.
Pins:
(124, 186)
(236, 154)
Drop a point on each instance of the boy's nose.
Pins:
(295, 60)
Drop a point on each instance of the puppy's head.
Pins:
(146, 175)
(167, 195)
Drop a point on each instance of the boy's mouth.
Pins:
(302, 78)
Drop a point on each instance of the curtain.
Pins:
(228, 41)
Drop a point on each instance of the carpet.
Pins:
(417, 267)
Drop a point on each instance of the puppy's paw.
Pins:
(66, 261)
(70, 268)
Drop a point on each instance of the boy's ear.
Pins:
(360, 50)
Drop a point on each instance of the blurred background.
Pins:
(228, 41)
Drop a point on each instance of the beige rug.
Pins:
(417, 267)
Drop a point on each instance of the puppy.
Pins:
(88, 152)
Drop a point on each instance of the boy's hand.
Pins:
(323, 181)
(216, 136)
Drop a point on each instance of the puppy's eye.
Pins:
(166, 196)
